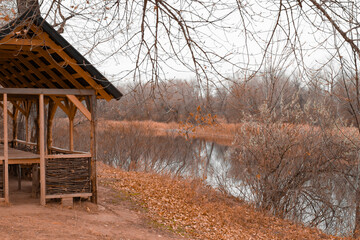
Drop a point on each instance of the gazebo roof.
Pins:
(34, 55)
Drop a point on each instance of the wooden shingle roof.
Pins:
(34, 55)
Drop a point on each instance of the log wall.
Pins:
(67, 175)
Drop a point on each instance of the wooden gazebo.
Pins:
(40, 70)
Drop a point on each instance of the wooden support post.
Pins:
(27, 106)
(51, 114)
(6, 154)
(42, 150)
(15, 125)
(27, 135)
(15, 136)
(71, 134)
(71, 109)
(93, 149)
(37, 126)
(19, 176)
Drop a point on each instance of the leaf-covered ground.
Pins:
(198, 212)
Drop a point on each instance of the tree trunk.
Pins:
(357, 215)
(25, 5)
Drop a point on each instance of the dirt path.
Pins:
(113, 218)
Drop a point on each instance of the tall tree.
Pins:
(25, 5)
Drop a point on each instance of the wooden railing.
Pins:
(67, 173)
(23, 145)
(57, 150)
(32, 147)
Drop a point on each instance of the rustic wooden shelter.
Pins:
(40, 70)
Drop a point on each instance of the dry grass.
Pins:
(223, 133)
(199, 212)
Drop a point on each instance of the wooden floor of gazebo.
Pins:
(19, 157)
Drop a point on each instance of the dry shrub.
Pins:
(139, 148)
(295, 172)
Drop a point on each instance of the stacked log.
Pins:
(67, 175)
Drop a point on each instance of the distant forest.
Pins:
(271, 97)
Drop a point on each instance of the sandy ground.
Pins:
(113, 218)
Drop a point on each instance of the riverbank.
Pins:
(193, 210)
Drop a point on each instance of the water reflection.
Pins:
(320, 202)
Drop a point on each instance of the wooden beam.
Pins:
(25, 73)
(26, 143)
(82, 195)
(6, 149)
(71, 134)
(20, 82)
(72, 62)
(27, 106)
(19, 48)
(10, 35)
(21, 97)
(60, 104)
(60, 68)
(93, 122)
(27, 134)
(5, 84)
(66, 151)
(7, 80)
(37, 128)
(51, 114)
(65, 156)
(24, 42)
(47, 91)
(18, 107)
(42, 151)
(24, 161)
(35, 71)
(71, 107)
(6, 56)
(72, 111)
(15, 123)
(80, 106)
(47, 69)
(7, 53)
